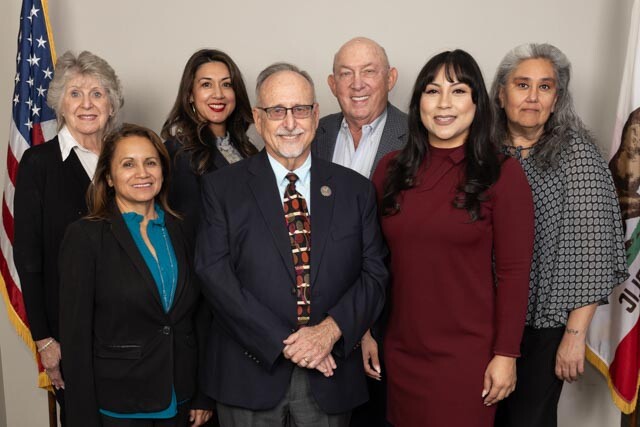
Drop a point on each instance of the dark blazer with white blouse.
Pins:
(50, 195)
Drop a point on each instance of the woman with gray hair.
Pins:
(52, 182)
(578, 252)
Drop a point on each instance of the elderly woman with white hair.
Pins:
(578, 255)
(52, 182)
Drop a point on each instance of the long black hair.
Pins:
(482, 167)
(190, 130)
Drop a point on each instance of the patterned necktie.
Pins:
(299, 226)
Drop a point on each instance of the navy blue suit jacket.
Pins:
(243, 257)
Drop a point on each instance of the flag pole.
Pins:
(53, 409)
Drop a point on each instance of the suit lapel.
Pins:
(327, 136)
(173, 228)
(322, 198)
(124, 238)
(265, 191)
(393, 135)
(219, 161)
(76, 172)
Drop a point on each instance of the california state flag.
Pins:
(613, 338)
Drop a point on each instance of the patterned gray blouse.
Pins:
(578, 254)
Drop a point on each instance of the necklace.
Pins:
(166, 296)
(516, 150)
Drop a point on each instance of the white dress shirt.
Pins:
(361, 159)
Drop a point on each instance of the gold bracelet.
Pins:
(47, 344)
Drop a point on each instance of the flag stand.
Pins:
(53, 409)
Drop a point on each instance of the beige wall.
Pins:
(148, 42)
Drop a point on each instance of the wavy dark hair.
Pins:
(191, 131)
(100, 195)
(563, 122)
(482, 164)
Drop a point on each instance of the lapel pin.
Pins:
(325, 190)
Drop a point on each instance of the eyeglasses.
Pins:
(279, 113)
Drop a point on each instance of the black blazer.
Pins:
(50, 195)
(184, 188)
(121, 351)
(243, 258)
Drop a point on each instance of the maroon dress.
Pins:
(450, 314)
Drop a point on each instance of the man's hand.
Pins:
(327, 366)
(309, 346)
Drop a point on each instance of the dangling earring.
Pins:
(193, 108)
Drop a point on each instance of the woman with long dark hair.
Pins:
(206, 128)
(458, 220)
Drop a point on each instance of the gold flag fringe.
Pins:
(622, 404)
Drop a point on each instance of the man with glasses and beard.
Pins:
(292, 261)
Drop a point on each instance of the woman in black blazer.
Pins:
(52, 182)
(206, 128)
(128, 330)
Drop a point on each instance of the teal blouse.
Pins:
(165, 273)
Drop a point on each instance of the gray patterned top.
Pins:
(578, 254)
(230, 153)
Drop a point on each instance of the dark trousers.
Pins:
(180, 420)
(372, 413)
(534, 403)
(298, 408)
(60, 399)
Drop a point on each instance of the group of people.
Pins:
(367, 268)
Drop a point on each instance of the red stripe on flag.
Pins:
(624, 367)
(15, 296)
(7, 220)
(12, 166)
(37, 136)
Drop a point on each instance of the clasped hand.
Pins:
(310, 347)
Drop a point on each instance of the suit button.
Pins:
(294, 291)
(166, 330)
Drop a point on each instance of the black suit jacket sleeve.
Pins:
(369, 288)
(77, 274)
(28, 244)
(245, 318)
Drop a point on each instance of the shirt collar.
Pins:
(371, 127)
(303, 172)
(68, 142)
(135, 217)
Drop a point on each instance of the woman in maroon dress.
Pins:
(458, 219)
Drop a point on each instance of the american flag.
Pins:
(33, 123)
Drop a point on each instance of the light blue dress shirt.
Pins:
(303, 185)
(361, 159)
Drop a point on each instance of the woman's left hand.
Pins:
(570, 357)
(570, 354)
(499, 379)
(198, 417)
